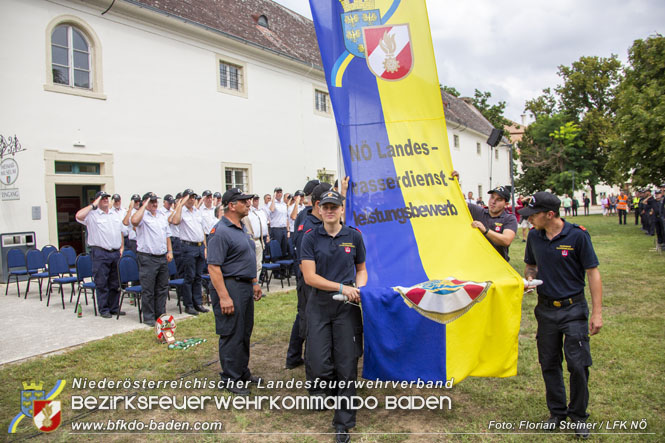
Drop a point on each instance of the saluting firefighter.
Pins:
(333, 262)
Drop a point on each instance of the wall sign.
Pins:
(8, 171)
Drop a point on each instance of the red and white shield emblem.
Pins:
(389, 52)
(47, 415)
(347, 250)
(497, 228)
(564, 253)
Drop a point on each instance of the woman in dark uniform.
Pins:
(333, 262)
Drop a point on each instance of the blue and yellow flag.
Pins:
(464, 320)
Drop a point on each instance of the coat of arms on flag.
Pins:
(389, 52)
(444, 300)
(358, 14)
(47, 415)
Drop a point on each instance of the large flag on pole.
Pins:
(440, 302)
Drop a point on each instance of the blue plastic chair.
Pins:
(128, 272)
(267, 271)
(57, 268)
(129, 253)
(36, 269)
(70, 255)
(175, 282)
(276, 256)
(16, 267)
(46, 251)
(84, 270)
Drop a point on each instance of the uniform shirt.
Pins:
(175, 229)
(303, 223)
(191, 225)
(104, 229)
(257, 219)
(292, 222)
(151, 233)
(233, 250)
(497, 224)
(130, 228)
(562, 261)
(121, 212)
(335, 257)
(209, 220)
(278, 216)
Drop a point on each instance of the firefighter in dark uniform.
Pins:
(232, 268)
(561, 254)
(333, 262)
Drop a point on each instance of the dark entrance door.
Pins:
(70, 232)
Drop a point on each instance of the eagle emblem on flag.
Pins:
(444, 300)
(389, 51)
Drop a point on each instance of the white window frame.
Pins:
(496, 153)
(242, 71)
(328, 105)
(246, 167)
(94, 53)
(479, 149)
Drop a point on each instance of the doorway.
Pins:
(69, 199)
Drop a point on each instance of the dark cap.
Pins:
(658, 191)
(541, 202)
(169, 198)
(278, 189)
(189, 192)
(116, 197)
(309, 187)
(502, 191)
(207, 193)
(178, 196)
(101, 194)
(234, 194)
(217, 195)
(136, 198)
(298, 193)
(149, 195)
(333, 197)
(319, 190)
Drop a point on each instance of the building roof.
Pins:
(288, 33)
(515, 131)
(461, 111)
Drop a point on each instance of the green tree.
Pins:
(493, 113)
(450, 90)
(640, 147)
(543, 105)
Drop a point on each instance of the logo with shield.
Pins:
(47, 415)
(353, 22)
(31, 392)
(389, 51)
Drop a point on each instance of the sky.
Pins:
(513, 48)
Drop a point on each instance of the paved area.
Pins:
(30, 328)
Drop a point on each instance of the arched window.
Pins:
(70, 57)
(263, 21)
(73, 58)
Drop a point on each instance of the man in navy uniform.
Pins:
(333, 262)
(561, 254)
(154, 251)
(193, 247)
(232, 269)
(105, 240)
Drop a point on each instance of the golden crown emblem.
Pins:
(32, 386)
(353, 5)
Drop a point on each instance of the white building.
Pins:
(130, 96)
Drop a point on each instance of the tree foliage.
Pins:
(493, 113)
(450, 90)
(640, 147)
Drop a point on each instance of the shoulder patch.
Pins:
(309, 230)
(301, 227)
(212, 231)
(581, 227)
(353, 227)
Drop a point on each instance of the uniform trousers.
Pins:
(234, 330)
(660, 229)
(637, 216)
(105, 276)
(154, 278)
(193, 262)
(622, 215)
(334, 344)
(294, 352)
(565, 327)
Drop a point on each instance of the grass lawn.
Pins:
(626, 382)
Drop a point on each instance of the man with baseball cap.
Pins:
(154, 251)
(134, 205)
(193, 248)
(257, 226)
(104, 228)
(208, 212)
(232, 269)
(561, 255)
(279, 220)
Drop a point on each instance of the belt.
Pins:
(104, 249)
(562, 302)
(193, 243)
(151, 255)
(280, 227)
(241, 279)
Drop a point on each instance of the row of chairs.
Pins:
(276, 264)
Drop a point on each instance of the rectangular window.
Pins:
(480, 191)
(231, 76)
(478, 149)
(237, 178)
(496, 154)
(456, 141)
(77, 168)
(325, 176)
(321, 102)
